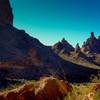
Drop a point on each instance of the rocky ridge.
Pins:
(23, 56)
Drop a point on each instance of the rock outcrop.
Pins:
(48, 88)
(92, 44)
(63, 47)
(6, 15)
(25, 92)
(77, 48)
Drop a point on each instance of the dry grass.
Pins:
(79, 91)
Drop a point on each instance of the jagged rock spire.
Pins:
(92, 35)
(6, 15)
(63, 46)
(92, 44)
(77, 48)
(63, 40)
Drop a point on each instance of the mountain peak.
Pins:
(63, 40)
(6, 15)
(63, 46)
(77, 48)
(92, 35)
(92, 44)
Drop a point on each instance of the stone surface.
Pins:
(6, 15)
(50, 88)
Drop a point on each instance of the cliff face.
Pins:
(6, 15)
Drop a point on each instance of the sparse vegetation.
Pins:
(97, 96)
(79, 91)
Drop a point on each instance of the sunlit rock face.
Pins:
(6, 15)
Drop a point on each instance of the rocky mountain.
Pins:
(88, 54)
(17, 48)
(63, 47)
(91, 49)
(22, 56)
(92, 44)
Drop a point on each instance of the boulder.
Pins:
(50, 88)
(2, 97)
(25, 92)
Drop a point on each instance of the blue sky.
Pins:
(51, 20)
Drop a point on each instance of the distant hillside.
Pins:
(88, 55)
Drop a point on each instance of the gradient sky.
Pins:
(51, 20)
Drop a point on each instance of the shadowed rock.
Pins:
(92, 44)
(77, 48)
(62, 47)
(6, 15)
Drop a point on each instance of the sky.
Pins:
(51, 20)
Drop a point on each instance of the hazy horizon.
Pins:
(51, 20)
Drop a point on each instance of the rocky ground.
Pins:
(50, 88)
(25, 57)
